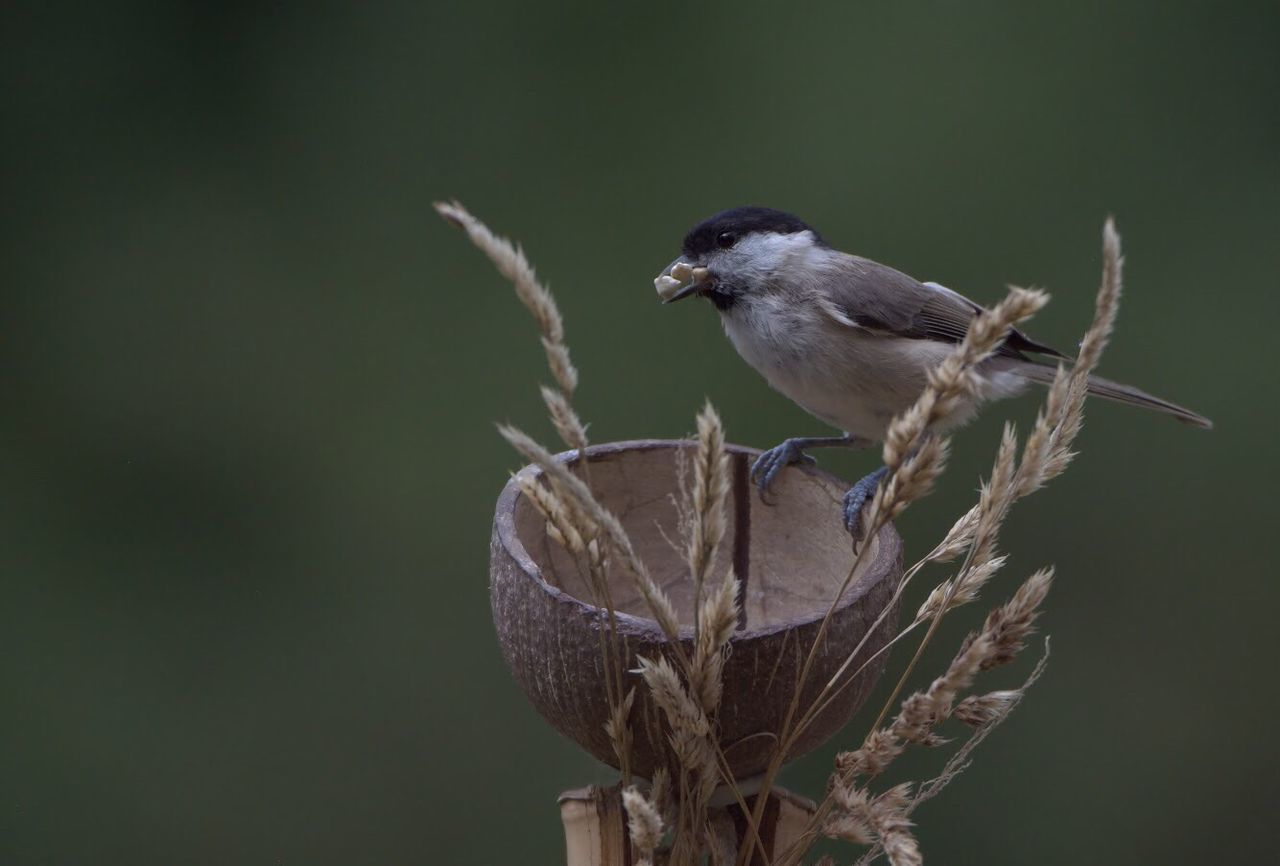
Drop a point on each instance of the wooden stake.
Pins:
(595, 825)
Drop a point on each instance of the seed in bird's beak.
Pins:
(667, 286)
(680, 280)
(673, 279)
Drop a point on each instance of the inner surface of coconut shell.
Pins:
(792, 556)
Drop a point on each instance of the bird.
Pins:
(849, 340)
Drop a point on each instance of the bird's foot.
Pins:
(857, 497)
(770, 463)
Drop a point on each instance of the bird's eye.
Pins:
(726, 239)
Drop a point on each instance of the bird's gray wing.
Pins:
(870, 295)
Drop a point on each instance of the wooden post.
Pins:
(595, 825)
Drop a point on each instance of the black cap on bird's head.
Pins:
(714, 238)
(723, 230)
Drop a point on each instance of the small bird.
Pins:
(849, 340)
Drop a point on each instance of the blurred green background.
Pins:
(250, 381)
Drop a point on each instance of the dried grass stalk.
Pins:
(618, 727)
(570, 528)
(912, 462)
(953, 379)
(957, 539)
(889, 818)
(1048, 451)
(999, 640)
(561, 525)
(881, 821)
(693, 744)
(850, 807)
(644, 824)
(569, 524)
(689, 723)
(709, 495)
(1045, 455)
(577, 522)
(912, 480)
(660, 605)
(914, 457)
(972, 580)
(510, 261)
(996, 707)
(995, 497)
(978, 710)
(567, 423)
(717, 619)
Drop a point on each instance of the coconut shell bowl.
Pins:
(791, 554)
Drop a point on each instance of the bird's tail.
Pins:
(1100, 387)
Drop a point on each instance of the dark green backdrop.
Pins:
(249, 383)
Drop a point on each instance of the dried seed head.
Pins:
(889, 818)
(1007, 627)
(957, 539)
(562, 369)
(912, 480)
(979, 710)
(717, 619)
(512, 263)
(857, 817)
(878, 751)
(851, 819)
(580, 497)
(560, 523)
(644, 823)
(996, 497)
(709, 495)
(1048, 450)
(690, 727)
(660, 794)
(571, 429)
(618, 726)
(1041, 444)
(972, 580)
(905, 446)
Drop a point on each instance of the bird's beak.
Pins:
(680, 280)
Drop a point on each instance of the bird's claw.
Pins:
(857, 497)
(770, 463)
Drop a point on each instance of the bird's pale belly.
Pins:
(856, 382)
(852, 399)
